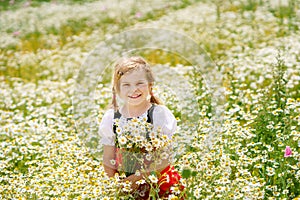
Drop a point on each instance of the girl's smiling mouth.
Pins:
(135, 96)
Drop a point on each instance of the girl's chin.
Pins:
(136, 101)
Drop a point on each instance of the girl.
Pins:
(132, 82)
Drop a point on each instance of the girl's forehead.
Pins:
(134, 75)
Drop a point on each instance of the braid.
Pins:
(154, 99)
(114, 100)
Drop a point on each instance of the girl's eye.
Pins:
(140, 83)
(125, 85)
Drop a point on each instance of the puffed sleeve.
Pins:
(163, 118)
(106, 128)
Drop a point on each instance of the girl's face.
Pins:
(134, 87)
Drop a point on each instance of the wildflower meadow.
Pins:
(238, 115)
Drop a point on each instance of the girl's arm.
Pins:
(109, 155)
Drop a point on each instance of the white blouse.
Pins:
(162, 117)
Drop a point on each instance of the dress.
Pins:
(161, 117)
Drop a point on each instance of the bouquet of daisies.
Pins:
(140, 147)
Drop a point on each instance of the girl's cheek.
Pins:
(124, 90)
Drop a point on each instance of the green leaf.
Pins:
(186, 173)
(194, 173)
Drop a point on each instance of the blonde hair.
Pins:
(127, 65)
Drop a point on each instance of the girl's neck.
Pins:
(135, 110)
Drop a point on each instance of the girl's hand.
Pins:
(134, 186)
(133, 179)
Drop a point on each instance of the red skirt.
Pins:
(168, 178)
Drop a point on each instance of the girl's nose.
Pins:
(133, 88)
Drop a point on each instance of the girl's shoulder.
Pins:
(161, 109)
(109, 112)
(108, 115)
